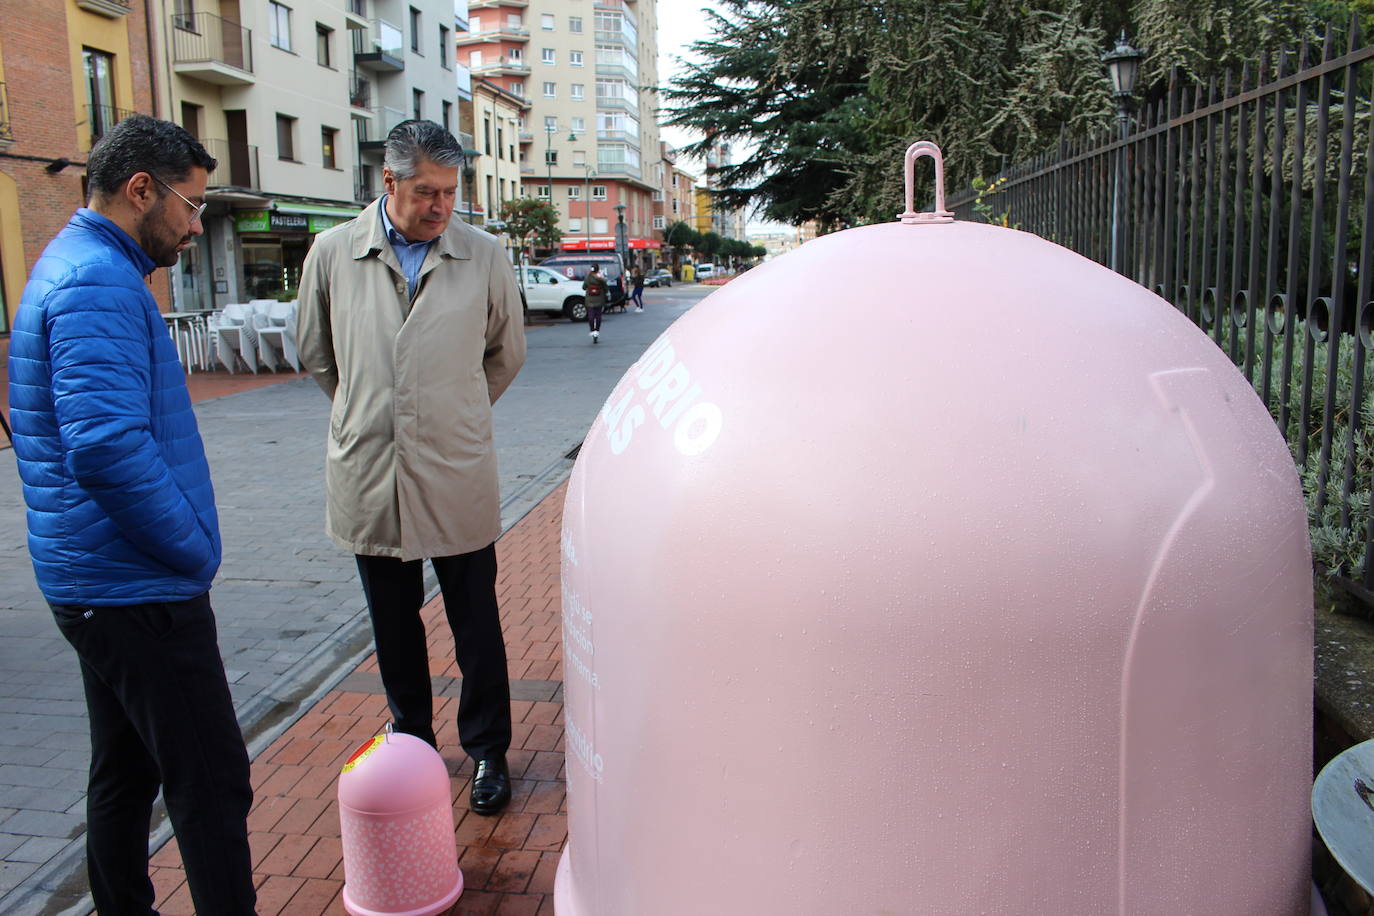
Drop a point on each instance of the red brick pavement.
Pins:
(509, 861)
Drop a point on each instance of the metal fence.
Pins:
(1245, 204)
(238, 163)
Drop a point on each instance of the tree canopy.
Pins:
(825, 95)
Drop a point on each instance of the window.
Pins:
(190, 118)
(279, 25)
(517, 56)
(324, 37)
(286, 138)
(542, 191)
(574, 58)
(579, 158)
(574, 224)
(184, 15)
(99, 91)
(500, 142)
(517, 87)
(417, 103)
(443, 46)
(550, 122)
(448, 115)
(550, 89)
(513, 21)
(328, 136)
(474, 59)
(579, 125)
(599, 225)
(674, 204)
(475, 25)
(415, 30)
(574, 192)
(659, 223)
(547, 56)
(551, 157)
(546, 22)
(598, 192)
(658, 195)
(579, 91)
(575, 24)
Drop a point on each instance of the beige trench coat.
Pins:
(410, 469)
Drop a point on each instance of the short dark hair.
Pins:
(141, 143)
(414, 140)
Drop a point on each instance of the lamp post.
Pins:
(1123, 65)
(590, 173)
(469, 174)
(549, 130)
(622, 241)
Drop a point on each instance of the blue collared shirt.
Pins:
(410, 254)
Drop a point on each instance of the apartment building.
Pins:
(295, 98)
(68, 71)
(673, 199)
(589, 140)
(496, 171)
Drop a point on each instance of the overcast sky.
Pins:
(680, 22)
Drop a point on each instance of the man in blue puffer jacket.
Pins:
(122, 525)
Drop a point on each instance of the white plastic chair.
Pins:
(277, 336)
(233, 337)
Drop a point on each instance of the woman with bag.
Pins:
(595, 287)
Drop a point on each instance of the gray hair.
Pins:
(411, 141)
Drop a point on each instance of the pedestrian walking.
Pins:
(638, 295)
(411, 323)
(595, 287)
(123, 532)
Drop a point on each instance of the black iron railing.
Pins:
(100, 118)
(6, 132)
(1248, 206)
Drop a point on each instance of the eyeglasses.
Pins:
(197, 210)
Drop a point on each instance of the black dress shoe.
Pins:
(491, 786)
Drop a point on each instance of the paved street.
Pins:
(290, 610)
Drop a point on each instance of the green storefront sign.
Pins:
(276, 221)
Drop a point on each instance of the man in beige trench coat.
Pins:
(411, 322)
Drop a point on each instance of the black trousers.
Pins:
(161, 715)
(395, 593)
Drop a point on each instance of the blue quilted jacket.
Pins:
(120, 507)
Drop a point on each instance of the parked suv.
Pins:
(577, 266)
(705, 271)
(548, 290)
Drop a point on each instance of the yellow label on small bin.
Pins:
(361, 753)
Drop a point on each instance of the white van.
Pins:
(705, 271)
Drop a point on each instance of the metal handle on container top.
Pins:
(939, 214)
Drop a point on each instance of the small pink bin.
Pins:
(396, 818)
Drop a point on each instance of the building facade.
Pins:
(68, 71)
(587, 69)
(295, 98)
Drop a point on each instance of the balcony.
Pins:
(621, 71)
(365, 189)
(502, 66)
(526, 169)
(494, 4)
(359, 95)
(498, 34)
(110, 9)
(238, 164)
(618, 136)
(617, 103)
(101, 118)
(526, 137)
(371, 132)
(212, 50)
(379, 47)
(617, 169)
(6, 133)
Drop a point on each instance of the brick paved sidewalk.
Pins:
(508, 862)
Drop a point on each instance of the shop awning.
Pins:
(603, 243)
(313, 210)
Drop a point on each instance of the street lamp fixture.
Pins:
(1123, 66)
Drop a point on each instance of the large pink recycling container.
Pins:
(935, 569)
(396, 818)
